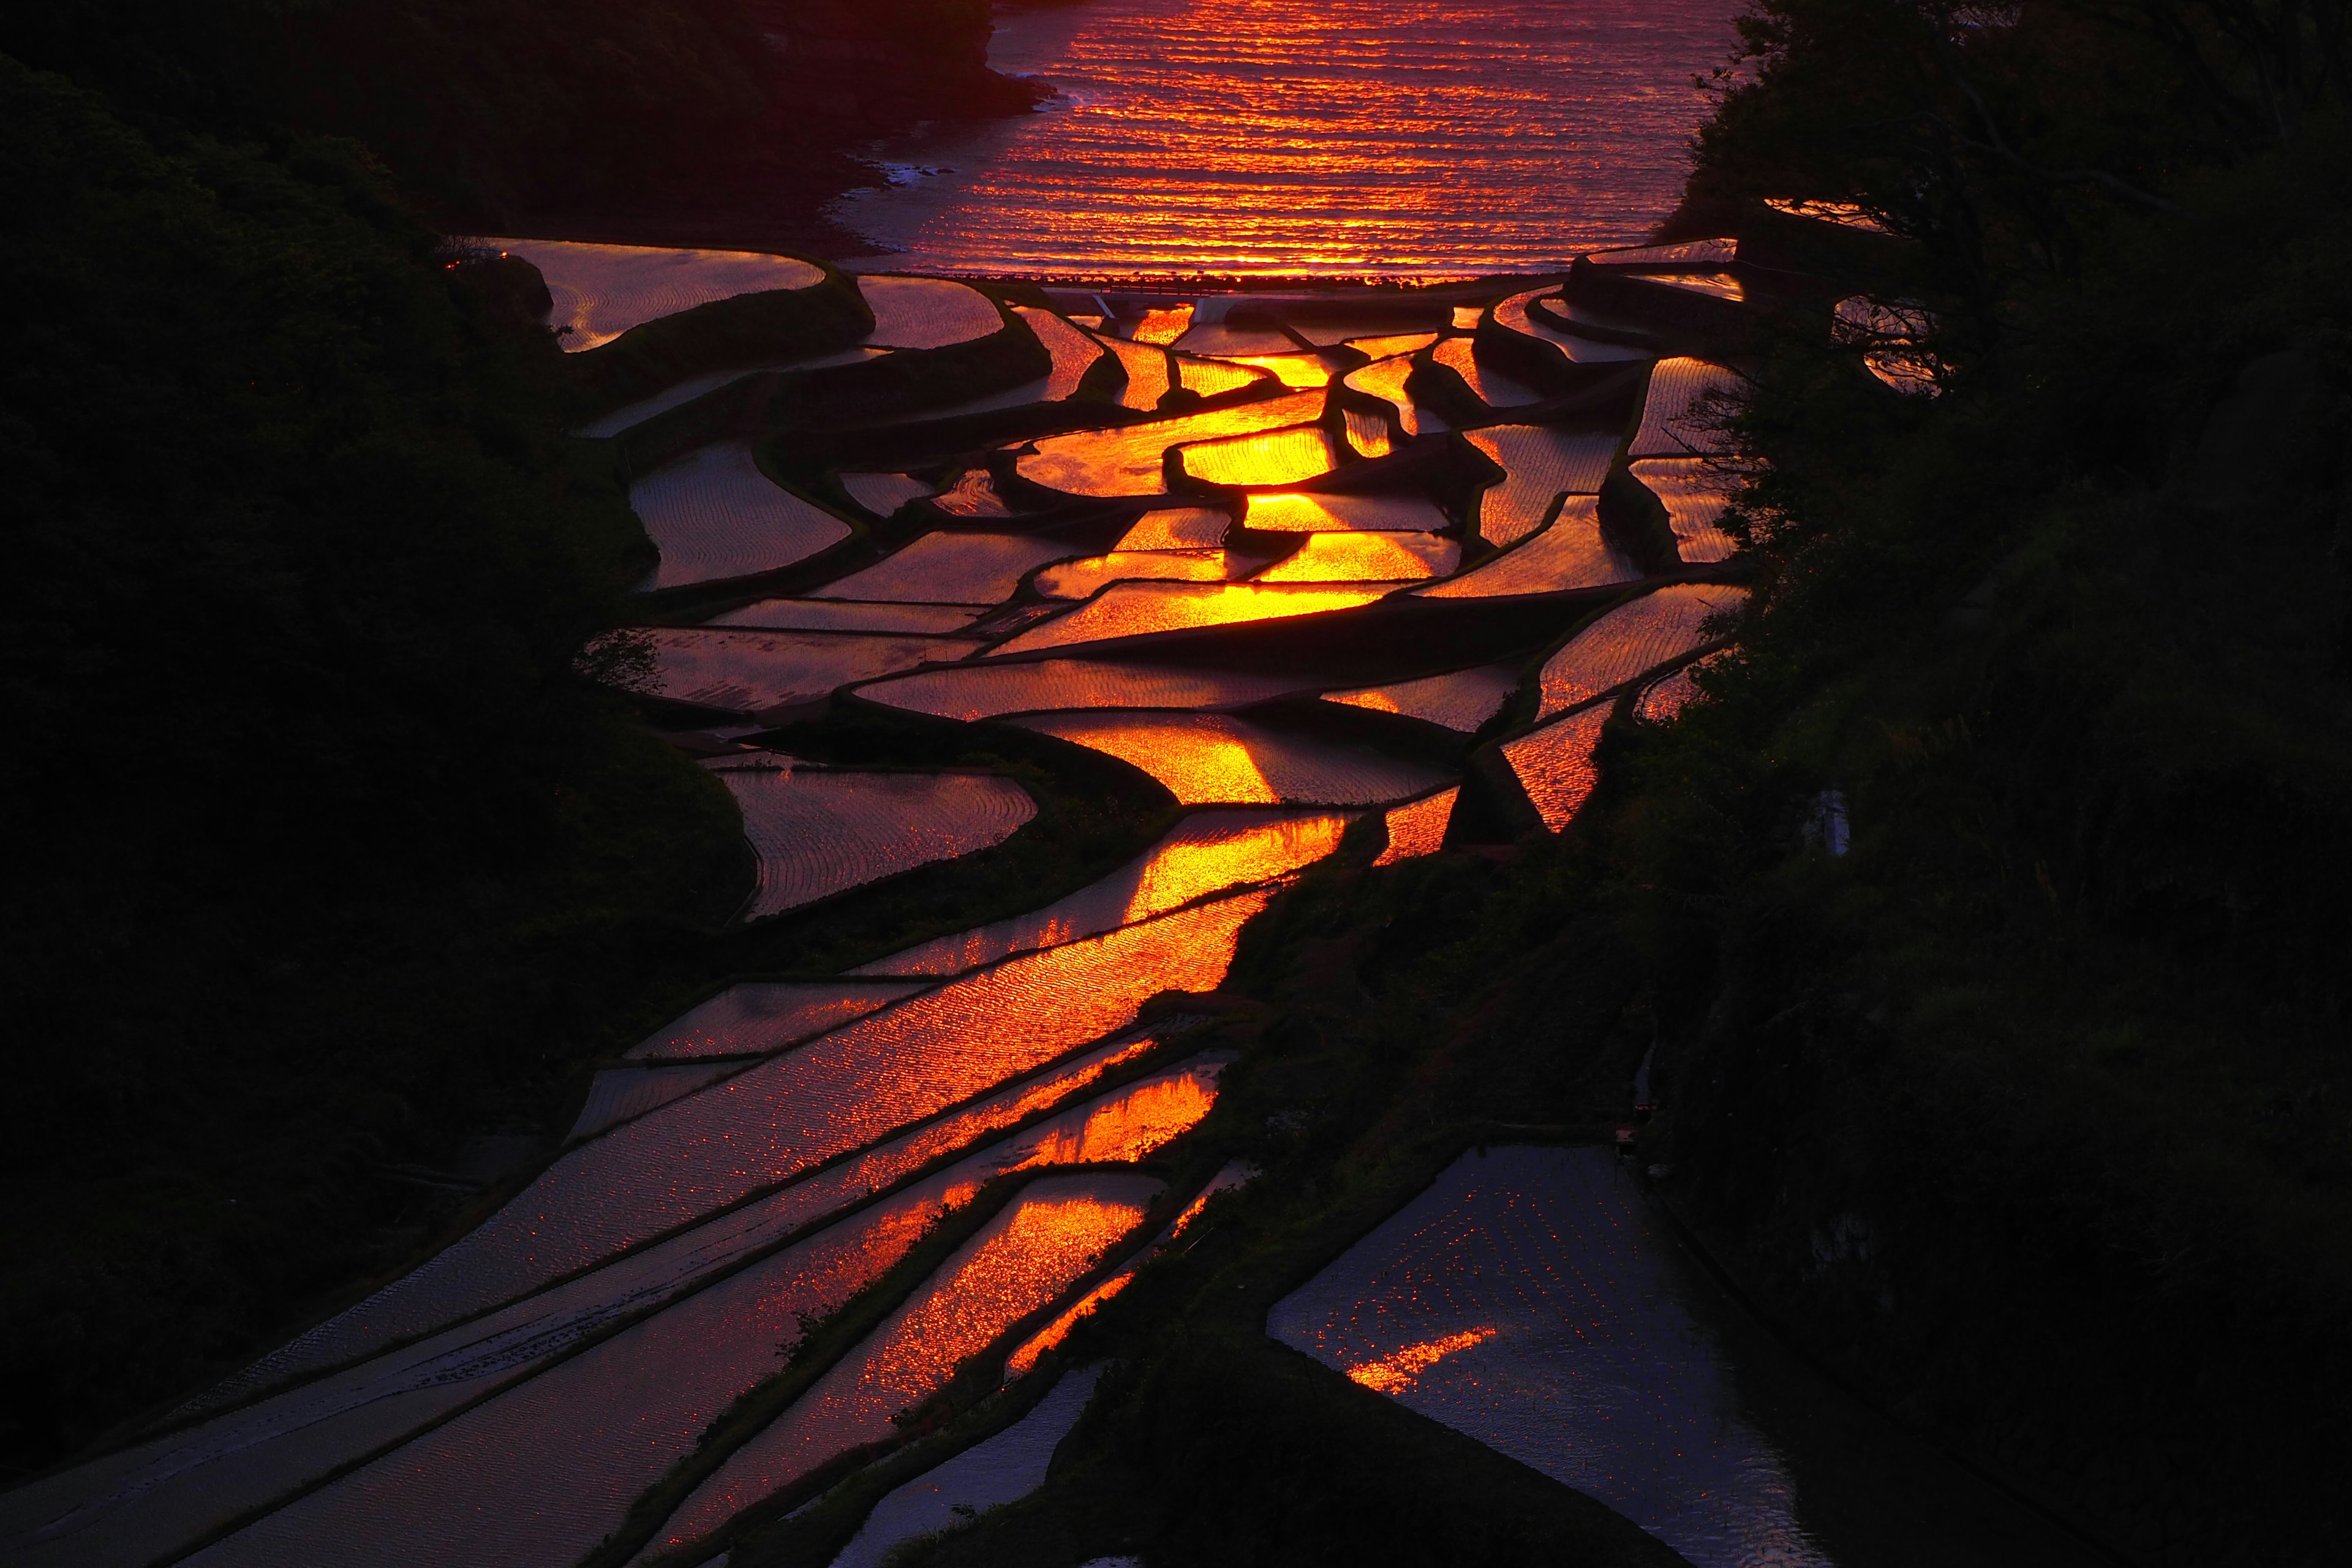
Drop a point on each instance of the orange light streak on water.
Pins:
(1345, 138)
(1393, 1372)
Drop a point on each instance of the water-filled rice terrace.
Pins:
(1368, 567)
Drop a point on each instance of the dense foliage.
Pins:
(298, 561)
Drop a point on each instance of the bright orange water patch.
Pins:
(1019, 1261)
(1134, 609)
(1162, 327)
(1128, 1128)
(1266, 458)
(1022, 1361)
(1721, 285)
(1212, 378)
(1211, 759)
(1079, 579)
(1185, 869)
(1369, 434)
(1571, 552)
(1418, 828)
(1365, 557)
(1388, 347)
(1463, 699)
(1127, 461)
(1492, 388)
(1555, 765)
(1177, 528)
(1149, 376)
(1293, 370)
(1281, 513)
(1385, 379)
(1394, 1372)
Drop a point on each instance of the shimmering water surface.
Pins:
(1344, 138)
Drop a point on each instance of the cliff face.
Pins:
(886, 64)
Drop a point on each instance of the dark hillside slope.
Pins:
(314, 838)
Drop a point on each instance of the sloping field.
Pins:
(1460, 699)
(740, 670)
(1267, 457)
(948, 569)
(685, 392)
(1215, 377)
(550, 1321)
(1149, 376)
(1632, 639)
(713, 515)
(1663, 698)
(603, 291)
(927, 312)
(1205, 853)
(1528, 1300)
(1213, 759)
(762, 1015)
(1555, 764)
(845, 616)
(1074, 352)
(1133, 609)
(1680, 409)
(1490, 386)
(1542, 464)
(1513, 315)
(818, 833)
(1696, 492)
(1571, 553)
(1278, 513)
(1418, 828)
(1385, 379)
(1081, 578)
(1365, 557)
(883, 494)
(1021, 1260)
(983, 691)
(1006, 1467)
(1367, 433)
(864, 1081)
(1127, 461)
(1177, 528)
(617, 1094)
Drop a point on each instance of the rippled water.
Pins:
(1337, 138)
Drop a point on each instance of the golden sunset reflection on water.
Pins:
(1341, 139)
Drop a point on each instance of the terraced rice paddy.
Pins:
(631, 416)
(1177, 528)
(949, 568)
(1554, 765)
(820, 833)
(775, 1148)
(1049, 1236)
(1307, 513)
(1542, 465)
(842, 615)
(617, 1094)
(1487, 385)
(1082, 578)
(1663, 700)
(927, 312)
(1461, 699)
(883, 494)
(1385, 379)
(1131, 459)
(1365, 557)
(987, 1475)
(714, 515)
(1528, 1300)
(1682, 413)
(1696, 491)
(1633, 639)
(1211, 759)
(1571, 552)
(1418, 828)
(740, 670)
(1271, 457)
(1139, 609)
(603, 291)
(760, 1017)
(1208, 852)
(988, 691)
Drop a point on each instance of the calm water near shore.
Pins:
(1340, 139)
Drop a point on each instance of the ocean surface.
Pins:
(1339, 137)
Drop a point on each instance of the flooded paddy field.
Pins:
(1300, 605)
